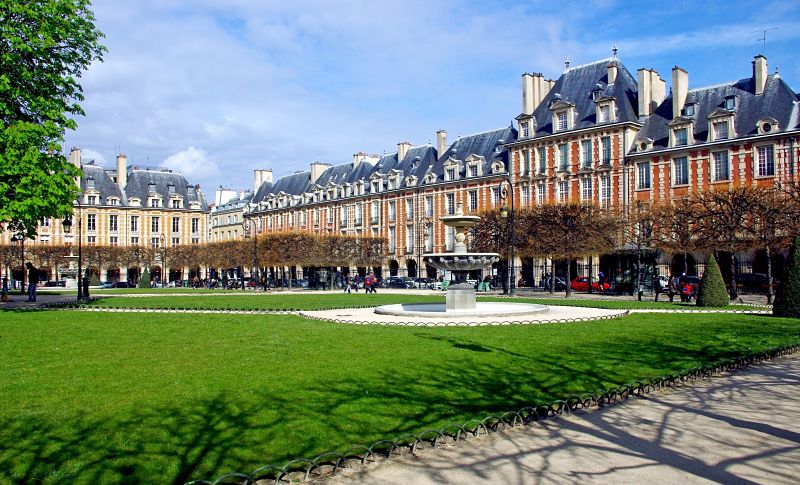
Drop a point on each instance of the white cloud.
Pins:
(193, 163)
(89, 154)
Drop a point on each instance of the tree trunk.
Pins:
(685, 263)
(552, 276)
(733, 292)
(569, 280)
(639, 274)
(769, 276)
(590, 273)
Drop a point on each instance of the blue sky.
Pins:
(216, 89)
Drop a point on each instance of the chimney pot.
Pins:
(680, 89)
(760, 73)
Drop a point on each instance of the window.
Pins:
(525, 130)
(176, 224)
(605, 143)
(91, 222)
(409, 208)
(91, 239)
(586, 189)
(680, 171)
(496, 197)
(429, 237)
(195, 225)
(450, 203)
(113, 201)
(681, 136)
(586, 153)
(176, 204)
(91, 200)
(540, 194)
(409, 238)
(525, 196)
(45, 222)
(113, 223)
(720, 130)
(605, 190)
(155, 242)
(563, 157)
(562, 120)
(472, 201)
(689, 109)
(134, 223)
(154, 224)
(176, 241)
(155, 202)
(134, 241)
(542, 159)
(721, 166)
(643, 175)
(359, 215)
(195, 240)
(343, 216)
(113, 240)
(730, 103)
(392, 239)
(766, 161)
(449, 238)
(526, 162)
(429, 205)
(605, 115)
(330, 215)
(472, 170)
(392, 211)
(450, 173)
(563, 190)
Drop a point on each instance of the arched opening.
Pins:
(112, 275)
(411, 268)
(133, 275)
(394, 267)
(681, 264)
(431, 272)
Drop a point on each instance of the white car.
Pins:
(436, 285)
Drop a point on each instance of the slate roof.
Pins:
(778, 102)
(236, 203)
(577, 86)
(418, 161)
(103, 183)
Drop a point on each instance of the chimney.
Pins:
(441, 143)
(612, 72)
(75, 157)
(659, 89)
(527, 94)
(680, 88)
(402, 150)
(122, 171)
(539, 89)
(760, 73)
(260, 176)
(645, 93)
(316, 170)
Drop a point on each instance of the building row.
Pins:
(595, 134)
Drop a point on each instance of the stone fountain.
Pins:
(460, 299)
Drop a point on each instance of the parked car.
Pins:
(754, 282)
(121, 284)
(398, 282)
(55, 284)
(581, 283)
(422, 282)
(435, 285)
(107, 284)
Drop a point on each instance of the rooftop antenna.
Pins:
(763, 38)
(614, 51)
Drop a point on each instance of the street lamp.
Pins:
(164, 271)
(249, 227)
(67, 223)
(508, 193)
(423, 234)
(20, 238)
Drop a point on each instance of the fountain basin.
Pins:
(481, 310)
(460, 261)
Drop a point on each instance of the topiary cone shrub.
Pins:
(787, 299)
(712, 286)
(144, 281)
(94, 280)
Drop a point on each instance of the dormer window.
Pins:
(113, 201)
(766, 126)
(91, 199)
(680, 133)
(525, 129)
(561, 121)
(151, 187)
(688, 110)
(155, 202)
(90, 183)
(730, 103)
(681, 136)
(450, 173)
(720, 129)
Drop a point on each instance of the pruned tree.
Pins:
(775, 220)
(674, 228)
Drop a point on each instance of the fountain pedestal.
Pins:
(460, 297)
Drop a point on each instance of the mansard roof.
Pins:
(578, 86)
(139, 186)
(778, 102)
(103, 183)
(488, 146)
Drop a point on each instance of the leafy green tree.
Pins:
(44, 48)
(712, 286)
(144, 281)
(787, 301)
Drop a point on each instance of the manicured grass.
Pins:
(162, 398)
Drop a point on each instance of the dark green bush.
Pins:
(787, 299)
(144, 281)
(712, 287)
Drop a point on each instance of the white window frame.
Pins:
(643, 176)
(679, 165)
(716, 162)
(765, 167)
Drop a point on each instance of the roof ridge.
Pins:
(482, 133)
(607, 59)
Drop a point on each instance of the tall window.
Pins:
(392, 211)
(721, 166)
(525, 130)
(542, 159)
(563, 157)
(495, 197)
(605, 144)
(681, 171)
(429, 237)
(195, 225)
(330, 215)
(450, 173)
(91, 222)
(526, 195)
(134, 223)
(451, 203)
(563, 190)
(605, 190)
(449, 238)
(359, 213)
(134, 241)
(681, 136)
(562, 121)
(375, 210)
(154, 224)
(343, 216)
(113, 224)
(176, 224)
(429, 205)
(540, 194)
(409, 208)
(720, 130)
(410, 238)
(586, 189)
(766, 161)
(586, 152)
(605, 111)
(91, 200)
(392, 239)
(176, 204)
(113, 240)
(472, 200)
(526, 161)
(643, 175)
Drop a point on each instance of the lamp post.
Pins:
(67, 223)
(164, 271)
(19, 237)
(423, 236)
(508, 193)
(249, 227)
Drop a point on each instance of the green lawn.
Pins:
(160, 398)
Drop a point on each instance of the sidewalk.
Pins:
(15, 300)
(738, 428)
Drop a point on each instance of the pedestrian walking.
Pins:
(672, 287)
(657, 286)
(33, 280)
